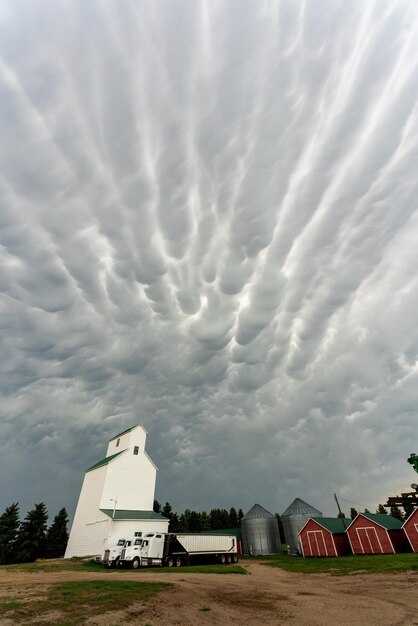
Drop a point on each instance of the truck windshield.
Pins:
(138, 542)
(121, 542)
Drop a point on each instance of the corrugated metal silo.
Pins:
(260, 532)
(294, 519)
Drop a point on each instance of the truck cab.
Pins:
(152, 550)
(112, 555)
(131, 555)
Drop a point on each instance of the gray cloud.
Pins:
(208, 224)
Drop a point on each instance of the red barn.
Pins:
(376, 533)
(324, 536)
(411, 530)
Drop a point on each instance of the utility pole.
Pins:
(341, 513)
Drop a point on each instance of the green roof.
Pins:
(333, 524)
(105, 461)
(123, 433)
(387, 521)
(124, 514)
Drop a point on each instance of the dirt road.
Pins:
(265, 596)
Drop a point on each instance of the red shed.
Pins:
(324, 536)
(411, 530)
(376, 533)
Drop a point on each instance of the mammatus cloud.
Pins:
(209, 224)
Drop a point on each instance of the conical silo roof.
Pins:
(299, 507)
(258, 512)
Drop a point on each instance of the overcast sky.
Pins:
(209, 224)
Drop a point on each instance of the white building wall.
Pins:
(126, 529)
(90, 526)
(130, 479)
(135, 437)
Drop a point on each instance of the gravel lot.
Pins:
(265, 596)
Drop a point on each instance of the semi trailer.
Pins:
(176, 549)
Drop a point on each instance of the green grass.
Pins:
(74, 602)
(10, 604)
(342, 565)
(59, 565)
(55, 565)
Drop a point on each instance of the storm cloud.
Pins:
(209, 225)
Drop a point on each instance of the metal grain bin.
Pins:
(294, 519)
(260, 532)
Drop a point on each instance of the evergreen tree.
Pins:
(353, 513)
(240, 515)
(174, 525)
(167, 511)
(381, 509)
(174, 522)
(395, 511)
(341, 514)
(233, 518)
(9, 526)
(408, 508)
(366, 511)
(204, 521)
(57, 536)
(31, 538)
(157, 507)
(185, 521)
(194, 522)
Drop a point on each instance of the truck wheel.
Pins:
(178, 562)
(222, 559)
(228, 559)
(170, 561)
(135, 563)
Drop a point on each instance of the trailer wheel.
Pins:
(170, 561)
(235, 558)
(228, 559)
(135, 563)
(222, 559)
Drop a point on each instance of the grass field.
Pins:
(374, 564)
(69, 603)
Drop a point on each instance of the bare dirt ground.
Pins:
(265, 596)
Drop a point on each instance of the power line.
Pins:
(367, 506)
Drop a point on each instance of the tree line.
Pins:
(31, 539)
(395, 511)
(199, 521)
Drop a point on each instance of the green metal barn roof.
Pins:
(333, 524)
(387, 521)
(105, 461)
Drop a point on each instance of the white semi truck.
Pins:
(175, 549)
(112, 556)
